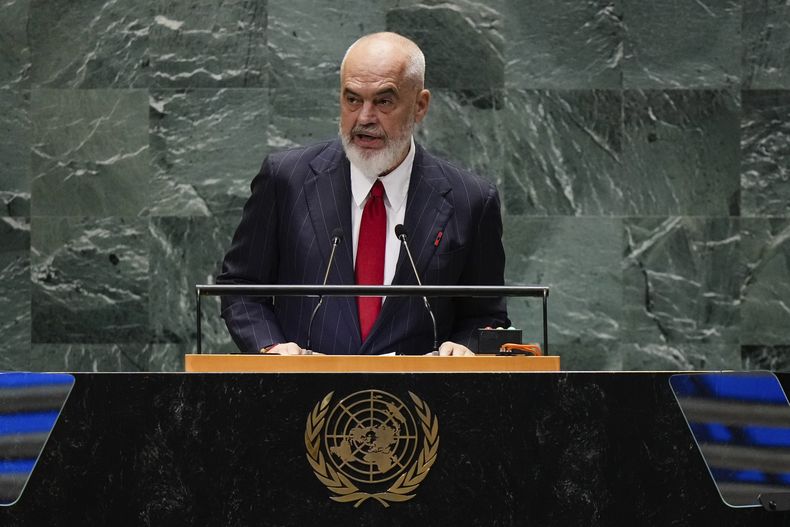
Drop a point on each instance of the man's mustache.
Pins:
(367, 130)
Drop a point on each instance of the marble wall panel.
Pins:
(563, 153)
(765, 315)
(670, 44)
(579, 259)
(206, 145)
(301, 117)
(680, 153)
(15, 143)
(465, 134)
(90, 155)
(765, 153)
(680, 356)
(563, 44)
(462, 42)
(102, 44)
(203, 43)
(90, 280)
(90, 44)
(682, 278)
(766, 44)
(307, 39)
(185, 252)
(771, 358)
(14, 293)
(14, 46)
(107, 357)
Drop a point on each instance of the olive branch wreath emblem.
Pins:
(346, 492)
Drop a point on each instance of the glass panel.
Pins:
(30, 404)
(741, 423)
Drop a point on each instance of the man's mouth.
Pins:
(368, 140)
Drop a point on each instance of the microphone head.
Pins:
(337, 235)
(401, 232)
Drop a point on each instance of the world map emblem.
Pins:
(371, 445)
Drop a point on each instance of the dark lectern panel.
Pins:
(514, 449)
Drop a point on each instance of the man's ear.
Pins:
(423, 102)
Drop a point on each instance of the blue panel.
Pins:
(749, 387)
(712, 433)
(752, 388)
(740, 476)
(22, 379)
(16, 466)
(763, 436)
(27, 423)
(685, 386)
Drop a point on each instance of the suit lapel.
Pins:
(427, 213)
(328, 194)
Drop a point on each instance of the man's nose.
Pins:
(367, 115)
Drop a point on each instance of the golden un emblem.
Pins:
(370, 445)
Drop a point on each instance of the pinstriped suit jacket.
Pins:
(300, 196)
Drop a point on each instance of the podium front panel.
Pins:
(506, 449)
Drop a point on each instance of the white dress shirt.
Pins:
(396, 188)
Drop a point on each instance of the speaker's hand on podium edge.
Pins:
(287, 348)
(453, 349)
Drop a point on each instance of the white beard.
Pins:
(373, 163)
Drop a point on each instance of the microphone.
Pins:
(337, 236)
(403, 234)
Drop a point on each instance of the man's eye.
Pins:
(352, 100)
(384, 102)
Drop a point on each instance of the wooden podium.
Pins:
(366, 364)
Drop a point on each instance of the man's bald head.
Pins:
(391, 49)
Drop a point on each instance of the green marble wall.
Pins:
(642, 150)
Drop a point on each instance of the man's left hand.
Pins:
(453, 349)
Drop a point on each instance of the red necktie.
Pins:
(370, 256)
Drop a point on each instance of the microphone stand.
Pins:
(337, 235)
(400, 232)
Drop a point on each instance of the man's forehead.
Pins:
(367, 83)
(377, 81)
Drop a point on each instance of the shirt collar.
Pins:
(396, 183)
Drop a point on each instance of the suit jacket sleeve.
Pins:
(485, 266)
(252, 259)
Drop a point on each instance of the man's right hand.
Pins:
(287, 348)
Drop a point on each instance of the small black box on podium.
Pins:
(489, 340)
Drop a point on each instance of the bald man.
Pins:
(362, 184)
